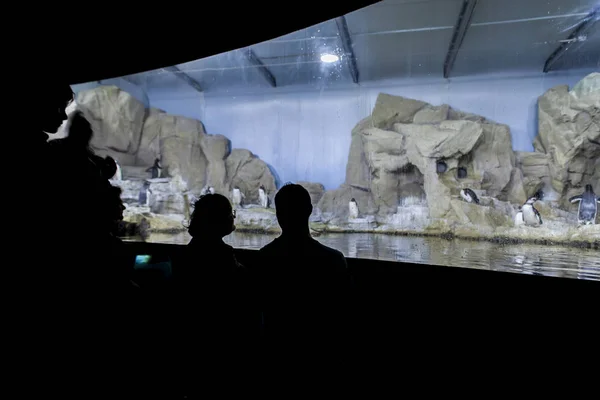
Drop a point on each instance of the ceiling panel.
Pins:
(315, 74)
(386, 16)
(304, 49)
(532, 35)
(401, 55)
(502, 10)
(493, 48)
(582, 55)
(405, 38)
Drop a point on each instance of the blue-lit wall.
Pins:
(305, 134)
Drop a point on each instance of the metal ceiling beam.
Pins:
(260, 66)
(460, 31)
(184, 77)
(342, 27)
(125, 78)
(575, 39)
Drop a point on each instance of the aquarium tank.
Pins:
(463, 133)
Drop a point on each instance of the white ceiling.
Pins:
(404, 38)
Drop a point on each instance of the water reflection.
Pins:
(565, 262)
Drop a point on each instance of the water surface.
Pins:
(566, 262)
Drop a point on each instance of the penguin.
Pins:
(519, 221)
(263, 198)
(588, 206)
(118, 176)
(469, 196)
(155, 169)
(531, 216)
(144, 195)
(211, 190)
(237, 196)
(461, 173)
(353, 208)
(441, 167)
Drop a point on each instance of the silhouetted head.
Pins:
(52, 106)
(80, 130)
(157, 162)
(293, 208)
(588, 188)
(212, 217)
(261, 187)
(109, 169)
(352, 200)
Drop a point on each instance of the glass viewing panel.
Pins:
(448, 132)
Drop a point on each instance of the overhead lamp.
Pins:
(329, 58)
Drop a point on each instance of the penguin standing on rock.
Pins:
(469, 196)
(531, 216)
(144, 195)
(263, 198)
(237, 197)
(118, 176)
(155, 169)
(353, 208)
(588, 206)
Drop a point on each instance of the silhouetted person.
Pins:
(50, 110)
(77, 276)
(119, 264)
(110, 167)
(214, 310)
(305, 285)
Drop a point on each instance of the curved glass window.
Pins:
(461, 133)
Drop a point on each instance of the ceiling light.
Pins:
(329, 58)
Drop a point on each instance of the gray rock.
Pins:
(390, 109)
(432, 115)
(116, 117)
(316, 191)
(149, 149)
(248, 172)
(216, 148)
(334, 203)
(569, 133)
(181, 151)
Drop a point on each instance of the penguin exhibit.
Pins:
(413, 168)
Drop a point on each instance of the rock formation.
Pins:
(403, 167)
(393, 156)
(404, 160)
(190, 157)
(569, 134)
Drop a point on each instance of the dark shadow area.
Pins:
(180, 29)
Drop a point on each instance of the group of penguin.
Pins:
(530, 216)
(527, 215)
(237, 196)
